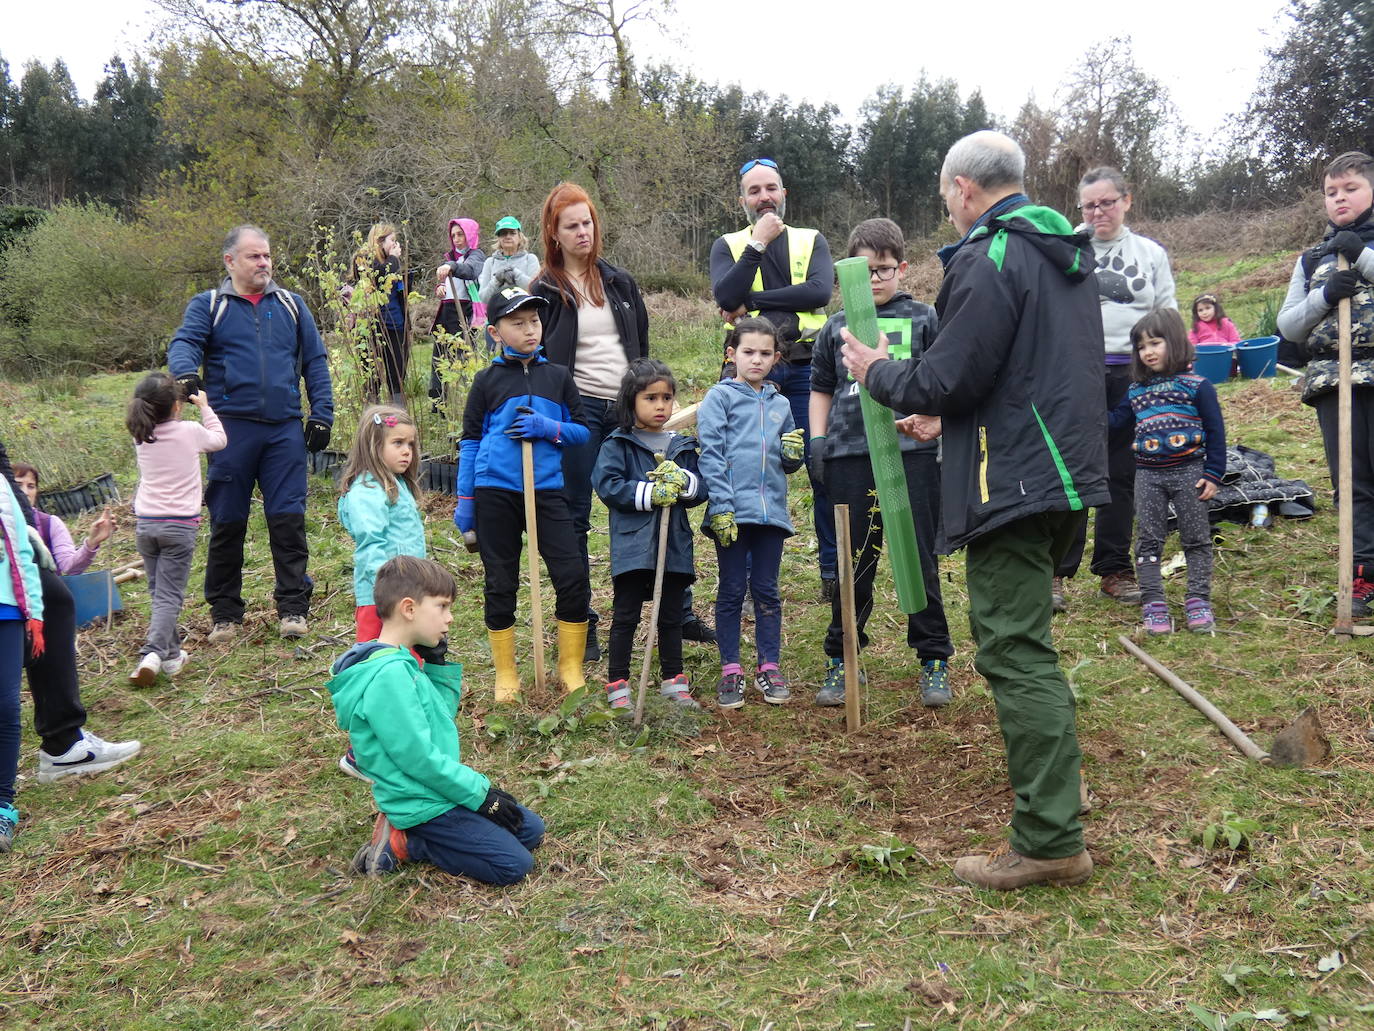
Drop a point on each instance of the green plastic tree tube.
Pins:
(880, 426)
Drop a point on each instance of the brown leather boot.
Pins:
(1121, 587)
(1007, 870)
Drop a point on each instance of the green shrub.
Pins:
(84, 290)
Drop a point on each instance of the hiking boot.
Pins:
(1362, 595)
(679, 692)
(223, 633)
(1121, 587)
(935, 692)
(1155, 617)
(9, 822)
(832, 691)
(730, 691)
(174, 666)
(618, 697)
(1057, 602)
(1008, 869)
(145, 675)
(694, 628)
(1200, 619)
(383, 853)
(350, 766)
(90, 754)
(773, 685)
(829, 585)
(293, 626)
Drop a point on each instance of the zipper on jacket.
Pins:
(763, 456)
(983, 463)
(262, 361)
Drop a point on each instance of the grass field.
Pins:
(752, 870)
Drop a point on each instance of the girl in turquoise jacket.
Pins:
(380, 485)
(21, 612)
(749, 445)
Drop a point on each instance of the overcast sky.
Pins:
(1207, 52)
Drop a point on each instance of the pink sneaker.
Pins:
(1155, 615)
(1200, 619)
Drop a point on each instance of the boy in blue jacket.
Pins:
(840, 460)
(400, 719)
(522, 396)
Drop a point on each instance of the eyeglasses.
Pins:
(765, 162)
(1102, 205)
(883, 272)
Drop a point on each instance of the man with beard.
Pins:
(786, 275)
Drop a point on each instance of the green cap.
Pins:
(509, 222)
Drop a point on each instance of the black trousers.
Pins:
(500, 524)
(1362, 464)
(850, 482)
(632, 590)
(58, 714)
(1112, 526)
(388, 345)
(224, 568)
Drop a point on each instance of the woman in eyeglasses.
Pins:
(1133, 279)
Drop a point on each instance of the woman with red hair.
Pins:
(595, 325)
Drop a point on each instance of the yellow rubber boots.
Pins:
(507, 688)
(572, 649)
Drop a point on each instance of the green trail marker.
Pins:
(880, 427)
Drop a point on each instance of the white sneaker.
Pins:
(174, 666)
(91, 754)
(293, 626)
(147, 671)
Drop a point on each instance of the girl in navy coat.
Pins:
(641, 469)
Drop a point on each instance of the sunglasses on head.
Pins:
(765, 162)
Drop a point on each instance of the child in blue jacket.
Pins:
(522, 396)
(641, 470)
(748, 446)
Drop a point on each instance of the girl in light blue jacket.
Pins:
(748, 446)
(380, 484)
(21, 612)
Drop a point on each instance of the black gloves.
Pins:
(433, 656)
(502, 809)
(815, 462)
(316, 435)
(190, 384)
(1343, 283)
(1347, 243)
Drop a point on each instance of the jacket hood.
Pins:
(769, 388)
(471, 233)
(358, 653)
(1048, 232)
(679, 442)
(358, 667)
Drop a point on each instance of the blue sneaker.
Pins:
(9, 821)
(773, 685)
(832, 691)
(935, 692)
(383, 853)
(349, 765)
(730, 691)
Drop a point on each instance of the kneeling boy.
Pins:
(400, 720)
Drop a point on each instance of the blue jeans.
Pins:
(795, 383)
(578, 465)
(464, 842)
(751, 564)
(11, 672)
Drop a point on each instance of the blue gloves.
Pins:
(465, 515)
(533, 426)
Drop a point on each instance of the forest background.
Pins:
(318, 118)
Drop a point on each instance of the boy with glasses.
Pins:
(840, 459)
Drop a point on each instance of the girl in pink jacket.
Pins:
(1210, 324)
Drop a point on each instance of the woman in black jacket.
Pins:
(596, 324)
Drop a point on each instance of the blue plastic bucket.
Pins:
(1259, 357)
(1214, 361)
(96, 596)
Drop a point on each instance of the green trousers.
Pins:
(1009, 571)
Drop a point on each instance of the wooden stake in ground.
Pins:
(532, 544)
(1345, 474)
(652, 634)
(849, 623)
(1237, 736)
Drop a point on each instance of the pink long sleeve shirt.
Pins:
(169, 484)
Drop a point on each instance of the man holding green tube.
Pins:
(1010, 384)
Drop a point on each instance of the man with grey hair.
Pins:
(785, 274)
(1011, 382)
(253, 343)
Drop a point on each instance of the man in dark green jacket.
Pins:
(1013, 382)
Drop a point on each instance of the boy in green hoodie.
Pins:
(399, 715)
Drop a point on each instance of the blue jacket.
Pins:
(740, 431)
(621, 481)
(380, 529)
(254, 355)
(489, 458)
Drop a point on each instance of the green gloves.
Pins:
(724, 528)
(669, 472)
(663, 494)
(793, 446)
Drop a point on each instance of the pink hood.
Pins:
(470, 231)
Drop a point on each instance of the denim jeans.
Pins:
(751, 564)
(464, 842)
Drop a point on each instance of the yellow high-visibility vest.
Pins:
(800, 244)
